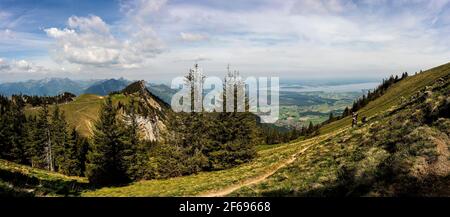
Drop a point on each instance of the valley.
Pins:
(297, 109)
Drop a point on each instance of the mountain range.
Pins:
(56, 86)
(45, 87)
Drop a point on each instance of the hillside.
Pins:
(398, 92)
(20, 180)
(153, 113)
(83, 111)
(402, 150)
(106, 87)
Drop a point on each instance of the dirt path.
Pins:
(227, 190)
(442, 165)
(255, 180)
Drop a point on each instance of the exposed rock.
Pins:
(153, 113)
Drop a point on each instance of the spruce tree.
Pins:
(310, 127)
(106, 165)
(234, 133)
(30, 139)
(82, 145)
(59, 138)
(71, 164)
(42, 156)
(18, 131)
(135, 154)
(5, 130)
(331, 117)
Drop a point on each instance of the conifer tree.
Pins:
(12, 123)
(6, 123)
(310, 127)
(135, 151)
(71, 165)
(42, 148)
(19, 131)
(193, 127)
(331, 117)
(234, 136)
(59, 138)
(106, 165)
(83, 149)
(30, 139)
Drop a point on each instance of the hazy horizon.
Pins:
(283, 80)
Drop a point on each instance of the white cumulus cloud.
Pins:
(20, 66)
(89, 41)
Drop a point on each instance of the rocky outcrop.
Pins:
(153, 113)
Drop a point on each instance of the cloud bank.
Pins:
(20, 66)
(292, 38)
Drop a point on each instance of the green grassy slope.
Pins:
(205, 182)
(20, 180)
(403, 151)
(318, 153)
(83, 111)
(394, 96)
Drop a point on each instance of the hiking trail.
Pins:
(255, 180)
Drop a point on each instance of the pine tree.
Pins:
(59, 138)
(193, 127)
(82, 147)
(346, 112)
(136, 150)
(18, 131)
(30, 139)
(5, 130)
(235, 134)
(310, 127)
(42, 156)
(70, 165)
(331, 117)
(106, 165)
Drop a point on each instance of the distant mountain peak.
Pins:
(106, 87)
(135, 87)
(49, 86)
(140, 88)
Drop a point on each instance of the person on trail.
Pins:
(364, 119)
(354, 119)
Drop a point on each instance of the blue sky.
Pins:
(160, 39)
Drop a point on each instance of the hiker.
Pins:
(354, 119)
